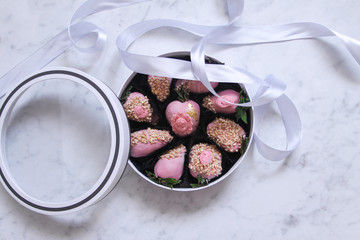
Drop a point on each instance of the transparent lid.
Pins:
(64, 141)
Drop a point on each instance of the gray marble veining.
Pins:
(313, 194)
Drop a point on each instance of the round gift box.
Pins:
(132, 162)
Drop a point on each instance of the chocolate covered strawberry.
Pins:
(227, 134)
(138, 108)
(205, 160)
(171, 164)
(183, 117)
(147, 141)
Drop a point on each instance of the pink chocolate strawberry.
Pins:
(183, 117)
(138, 108)
(205, 160)
(171, 164)
(147, 141)
(217, 105)
(226, 133)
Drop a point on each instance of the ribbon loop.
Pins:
(292, 124)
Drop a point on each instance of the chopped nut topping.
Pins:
(185, 84)
(208, 103)
(130, 105)
(205, 170)
(227, 134)
(174, 153)
(150, 136)
(160, 87)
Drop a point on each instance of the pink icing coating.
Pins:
(140, 112)
(181, 115)
(171, 167)
(134, 95)
(206, 157)
(221, 106)
(144, 149)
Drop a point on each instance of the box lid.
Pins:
(118, 153)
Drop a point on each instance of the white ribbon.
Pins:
(175, 68)
(232, 34)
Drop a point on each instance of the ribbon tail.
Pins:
(235, 9)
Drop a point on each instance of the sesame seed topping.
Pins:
(227, 134)
(209, 170)
(208, 103)
(150, 136)
(174, 153)
(185, 84)
(132, 103)
(160, 87)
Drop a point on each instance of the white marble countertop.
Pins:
(313, 194)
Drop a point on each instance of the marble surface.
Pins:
(313, 194)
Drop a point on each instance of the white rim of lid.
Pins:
(119, 150)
